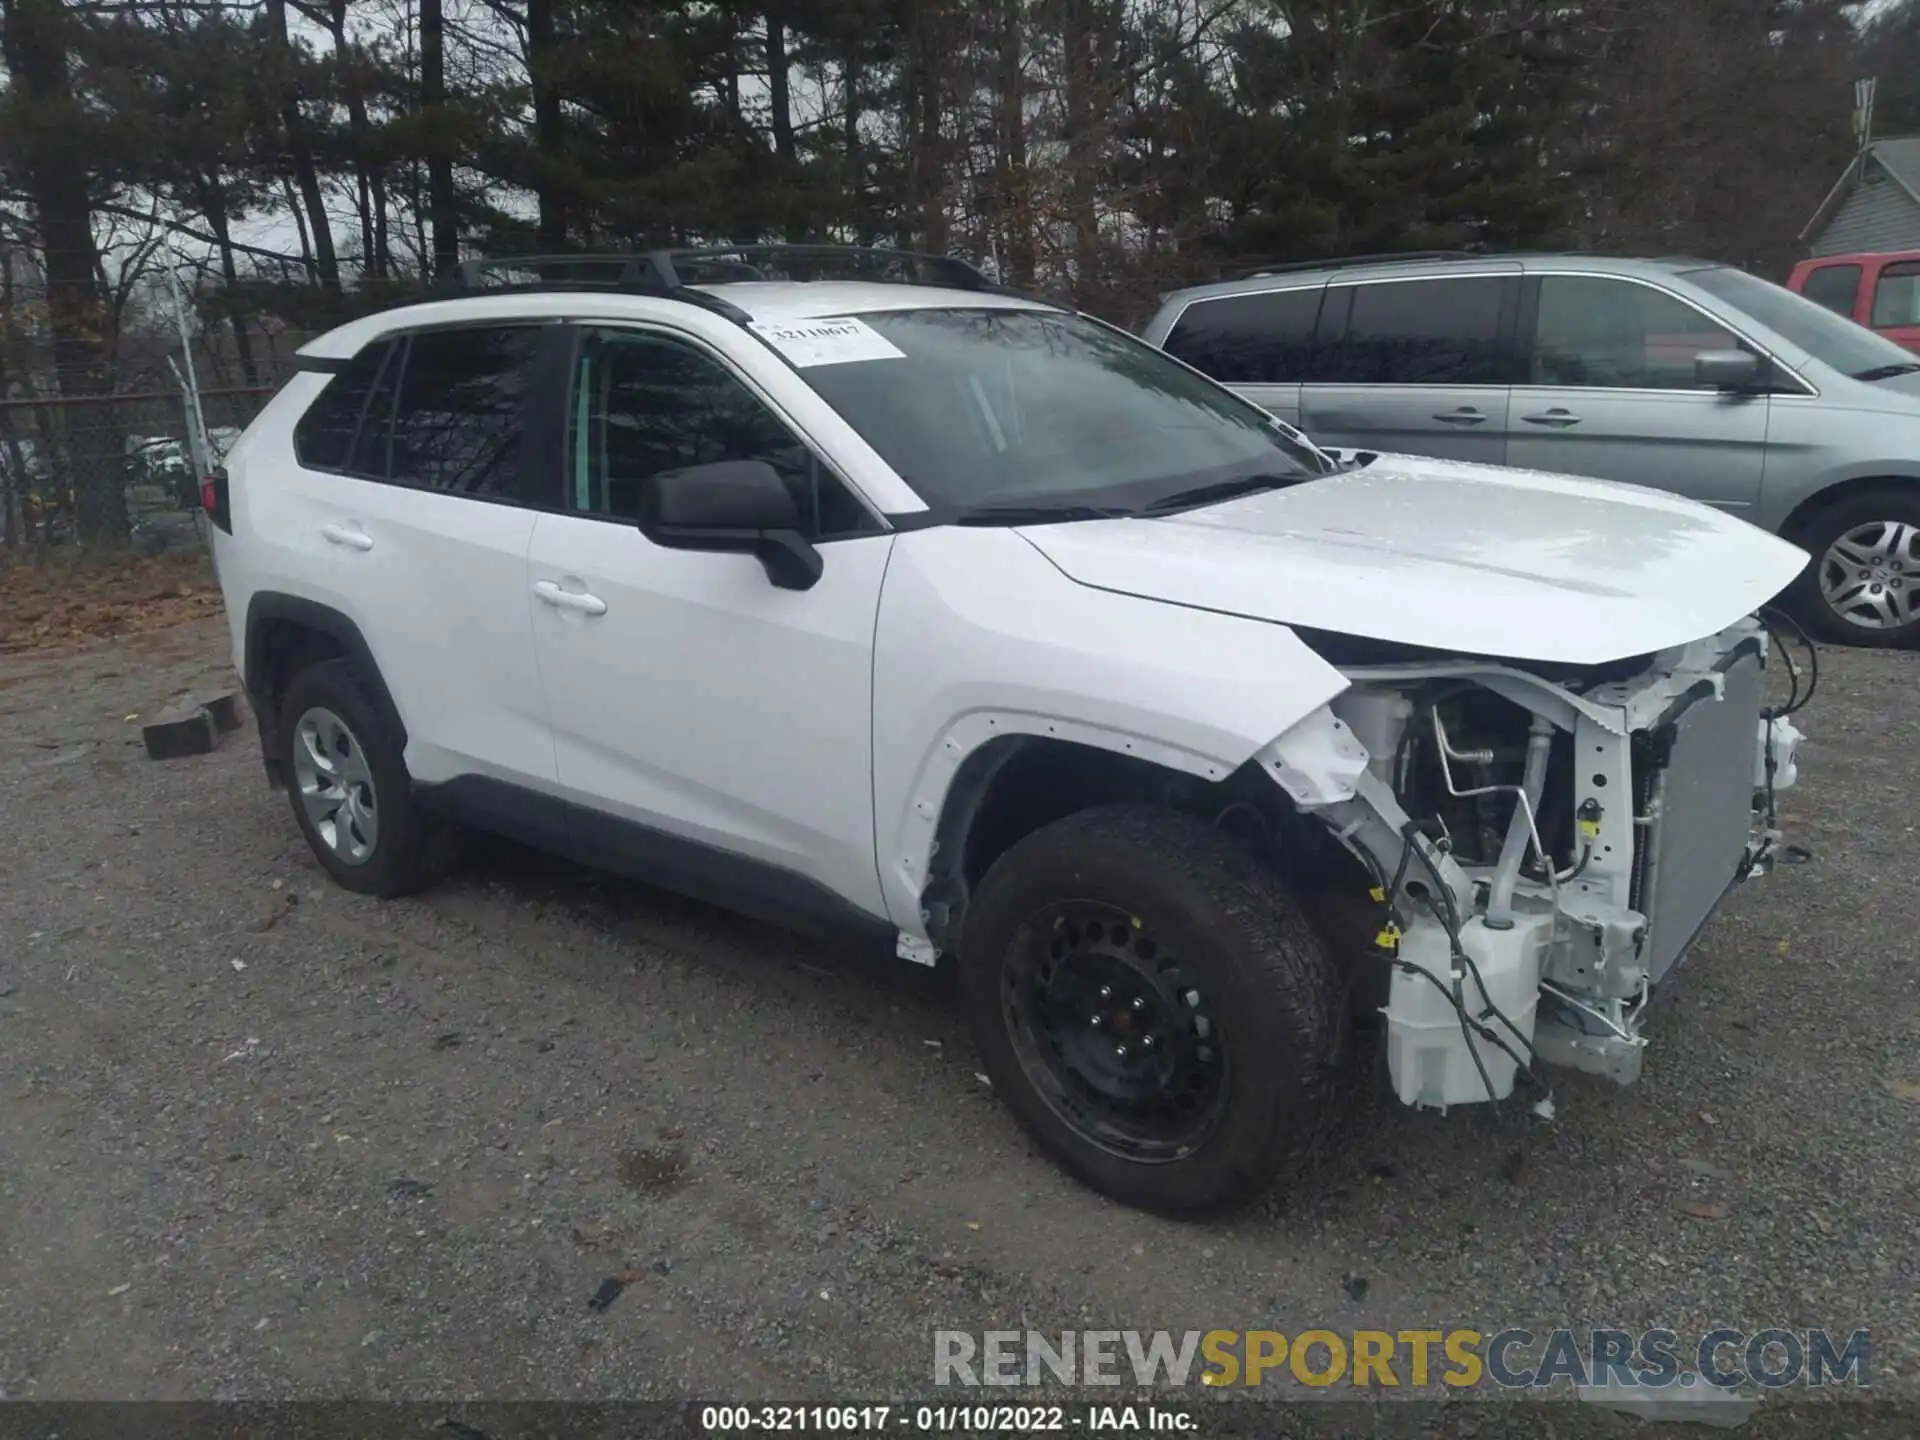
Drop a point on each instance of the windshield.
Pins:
(1831, 339)
(991, 408)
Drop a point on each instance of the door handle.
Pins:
(576, 600)
(1465, 415)
(350, 536)
(1555, 418)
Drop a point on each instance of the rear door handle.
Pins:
(351, 536)
(1556, 418)
(1465, 415)
(576, 600)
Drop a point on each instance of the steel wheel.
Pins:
(1870, 575)
(335, 785)
(1116, 1039)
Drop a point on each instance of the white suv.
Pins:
(933, 613)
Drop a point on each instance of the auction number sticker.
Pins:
(827, 342)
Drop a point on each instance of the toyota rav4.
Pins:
(908, 607)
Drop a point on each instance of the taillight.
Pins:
(213, 498)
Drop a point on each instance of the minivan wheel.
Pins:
(1863, 584)
(1154, 1008)
(351, 795)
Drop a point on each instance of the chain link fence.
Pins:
(52, 449)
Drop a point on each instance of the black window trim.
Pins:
(537, 419)
(1505, 343)
(1783, 373)
(583, 326)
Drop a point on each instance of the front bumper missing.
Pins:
(1674, 777)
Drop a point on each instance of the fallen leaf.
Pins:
(1825, 1225)
(1705, 1210)
(1903, 1089)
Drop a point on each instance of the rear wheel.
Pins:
(1863, 585)
(1153, 1007)
(352, 797)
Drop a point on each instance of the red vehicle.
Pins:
(1881, 291)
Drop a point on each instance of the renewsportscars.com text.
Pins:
(1412, 1359)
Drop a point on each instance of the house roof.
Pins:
(1900, 158)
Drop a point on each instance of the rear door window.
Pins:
(1259, 339)
(1420, 332)
(1896, 298)
(461, 412)
(1834, 286)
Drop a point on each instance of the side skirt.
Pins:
(653, 857)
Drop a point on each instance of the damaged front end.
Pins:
(1544, 844)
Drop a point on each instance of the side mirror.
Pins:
(739, 505)
(1726, 369)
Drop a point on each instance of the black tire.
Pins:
(1222, 923)
(411, 848)
(1857, 512)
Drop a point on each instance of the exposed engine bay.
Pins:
(1543, 846)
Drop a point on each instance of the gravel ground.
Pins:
(264, 1138)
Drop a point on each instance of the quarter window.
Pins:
(1601, 333)
(1834, 286)
(1896, 297)
(1421, 332)
(1264, 339)
(462, 413)
(323, 437)
(646, 404)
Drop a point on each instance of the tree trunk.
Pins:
(299, 138)
(433, 99)
(926, 189)
(856, 162)
(213, 204)
(780, 100)
(78, 306)
(1076, 40)
(365, 164)
(549, 137)
(1016, 194)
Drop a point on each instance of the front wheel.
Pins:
(1863, 585)
(1153, 1007)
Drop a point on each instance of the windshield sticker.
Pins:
(827, 342)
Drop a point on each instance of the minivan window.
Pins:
(462, 412)
(1834, 286)
(1896, 297)
(324, 434)
(1419, 332)
(1598, 332)
(1000, 407)
(1849, 348)
(1259, 339)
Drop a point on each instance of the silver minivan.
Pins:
(1679, 374)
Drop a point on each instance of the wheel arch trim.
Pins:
(266, 612)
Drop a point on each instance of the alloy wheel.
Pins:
(335, 784)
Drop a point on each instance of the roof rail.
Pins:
(674, 272)
(643, 274)
(1342, 261)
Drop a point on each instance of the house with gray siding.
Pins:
(1874, 207)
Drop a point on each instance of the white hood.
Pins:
(1465, 558)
